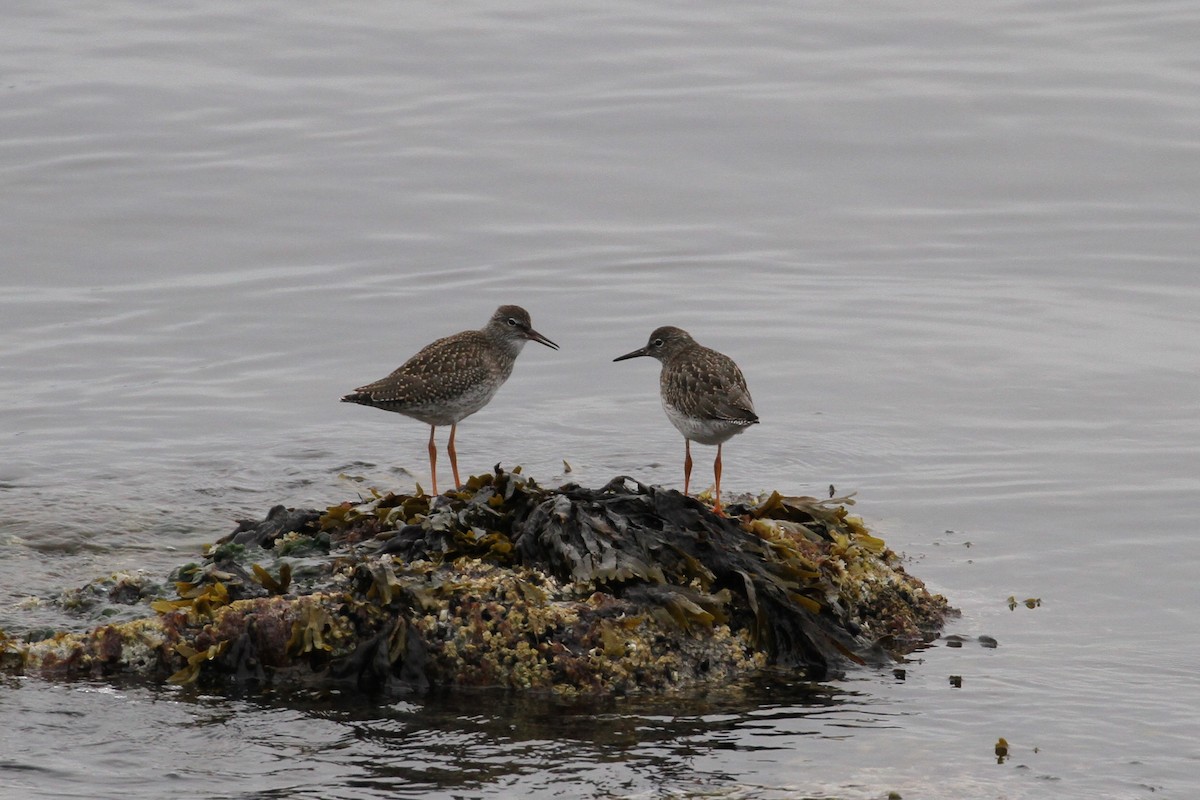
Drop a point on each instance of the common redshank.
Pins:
(703, 392)
(453, 377)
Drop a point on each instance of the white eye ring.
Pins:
(657, 343)
(512, 321)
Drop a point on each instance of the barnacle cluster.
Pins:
(625, 588)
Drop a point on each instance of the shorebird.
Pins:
(453, 377)
(703, 392)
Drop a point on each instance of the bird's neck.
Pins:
(511, 347)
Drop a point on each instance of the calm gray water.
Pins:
(952, 247)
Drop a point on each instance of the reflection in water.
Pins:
(475, 740)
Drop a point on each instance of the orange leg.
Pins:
(454, 456)
(687, 465)
(433, 458)
(717, 476)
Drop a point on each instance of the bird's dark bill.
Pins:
(641, 351)
(537, 337)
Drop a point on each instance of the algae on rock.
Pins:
(625, 588)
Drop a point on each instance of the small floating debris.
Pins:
(624, 588)
(1028, 602)
(958, 640)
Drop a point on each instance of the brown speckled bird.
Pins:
(453, 377)
(703, 392)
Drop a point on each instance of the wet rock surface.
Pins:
(618, 589)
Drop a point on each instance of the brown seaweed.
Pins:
(624, 588)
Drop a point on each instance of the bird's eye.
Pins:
(657, 343)
(512, 322)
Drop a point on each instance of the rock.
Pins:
(625, 588)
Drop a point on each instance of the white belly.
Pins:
(455, 409)
(703, 431)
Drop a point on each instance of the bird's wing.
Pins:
(441, 370)
(710, 387)
(737, 405)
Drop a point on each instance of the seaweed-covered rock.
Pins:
(624, 588)
(279, 522)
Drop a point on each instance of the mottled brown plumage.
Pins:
(703, 392)
(454, 377)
